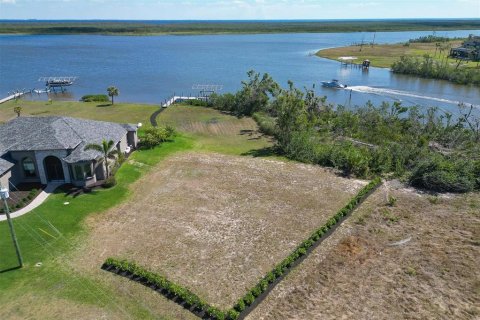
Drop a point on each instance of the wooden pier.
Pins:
(174, 99)
(13, 96)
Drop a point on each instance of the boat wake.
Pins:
(397, 94)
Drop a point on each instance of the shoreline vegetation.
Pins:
(230, 27)
(420, 57)
(431, 150)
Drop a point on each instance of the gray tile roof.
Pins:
(5, 165)
(58, 133)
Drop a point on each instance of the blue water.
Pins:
(151, 68)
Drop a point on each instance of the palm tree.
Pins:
(17, 110)
(105, 149)
(113, 91)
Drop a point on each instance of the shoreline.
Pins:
(142, 28)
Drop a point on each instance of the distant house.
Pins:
(470, 49)
(52, 149)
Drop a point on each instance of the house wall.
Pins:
(18, 175)
(122, 144)
(60, 154)
(99, 169)
(5, 178)
(132, 139)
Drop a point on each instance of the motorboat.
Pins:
(333, 84)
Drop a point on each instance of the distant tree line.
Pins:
(431, 38)
(431, 149)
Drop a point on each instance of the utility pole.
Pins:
(4, 195)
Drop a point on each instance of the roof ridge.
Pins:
(76, 132)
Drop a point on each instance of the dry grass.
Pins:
(385, 55)
(217, 223)
(361, 272)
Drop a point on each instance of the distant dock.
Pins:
(174, 99)
(13, 96)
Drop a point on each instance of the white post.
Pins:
(5, 195)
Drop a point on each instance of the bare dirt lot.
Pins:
(417, 260)
(216, 223)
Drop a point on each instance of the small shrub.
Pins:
(256, 291)
(302, 251)
(411, 271)
(110, 182)
(95, 98)
(240, 306)
(154, 136)
(390, 217)
(391, 201)
(232, 314)
(171, 131)
(249, 298)
(196, 103)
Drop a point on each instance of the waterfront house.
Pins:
(470, 49)
(52, 149)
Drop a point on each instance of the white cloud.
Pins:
(7, 1)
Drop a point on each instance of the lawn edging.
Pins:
(260, 291)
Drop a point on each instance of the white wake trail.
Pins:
(395, 93)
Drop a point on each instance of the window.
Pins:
(29, 168)
(82, 171)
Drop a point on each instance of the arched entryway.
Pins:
(53, 168)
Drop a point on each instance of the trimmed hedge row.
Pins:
(249, 298)
(170, 287)
(302, 249)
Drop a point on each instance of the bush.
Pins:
(439, 173)
(232, 314)
(240, 306)
(392, 201)
(156, 135)
(196, 102)
(95, 98)
(249, 298)
(110, 182)
(265, 123)
(172, 288)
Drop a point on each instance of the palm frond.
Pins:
(93, 146)
(112, 154)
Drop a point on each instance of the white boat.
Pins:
(40, 91)
(333, 84)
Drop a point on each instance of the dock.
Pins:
(174, 99)
(13, 96)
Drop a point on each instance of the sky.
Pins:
(237, 9)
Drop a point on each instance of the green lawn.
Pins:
(215, 131)
(40, 242)
(119, 112)
(56, 283)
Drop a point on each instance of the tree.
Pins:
(113, 92)
(106, 149)
(255, 94)
(17, 110)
